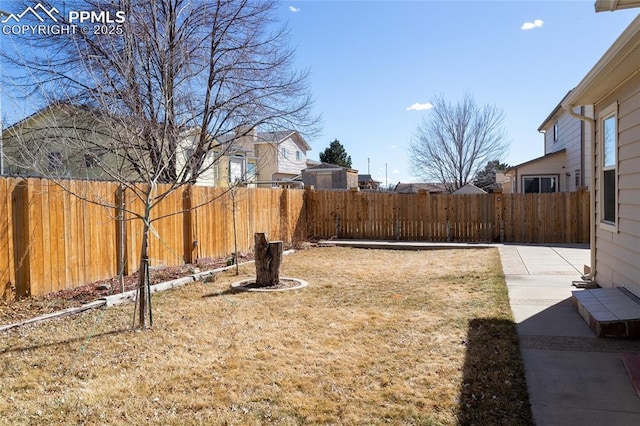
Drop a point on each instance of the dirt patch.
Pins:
(283, 284)
(31, 307)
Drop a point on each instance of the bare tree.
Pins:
(455, 140)
(147, 98)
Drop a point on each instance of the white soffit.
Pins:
(618, 64)
(611, 5)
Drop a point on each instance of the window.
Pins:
(236, 171)
(284, 152)
(298, 155)
(251, 171)
(540, 184)
(555, 131)
(55, 160)
(608, 176)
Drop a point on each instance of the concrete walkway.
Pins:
(573, 377)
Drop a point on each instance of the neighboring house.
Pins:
(413, 188)
(564, 167)
(227, 164)
(311, 163)
(63, 140)
(70, 141)
(468, 189)
(504, 182)
(366, 182)
(280, 156)
(612, 89)
(330, 176)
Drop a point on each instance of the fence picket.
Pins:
(52, 240)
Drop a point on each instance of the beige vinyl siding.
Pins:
(552, 166)
(290, 165)
(266, 165)
(568, 133)
(570, 137)
(617, 253)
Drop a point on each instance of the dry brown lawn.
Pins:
(378, 337)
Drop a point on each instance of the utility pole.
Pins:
(386, 180)
(368, 165)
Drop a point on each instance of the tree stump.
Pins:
(268, 258)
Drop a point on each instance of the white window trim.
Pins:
(611, 110)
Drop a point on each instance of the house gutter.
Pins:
(592, 199)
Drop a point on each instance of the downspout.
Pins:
(582, 127)
(592, 199)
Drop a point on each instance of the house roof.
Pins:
(611, 5)
(617, 65)
(469, 188)
(280, 136)
(415, 187)
(328, 166)
(535, 160)
(52, 107)
(366, 178)
(553, 113)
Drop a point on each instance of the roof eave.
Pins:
(612, 5)
(553, 113)
(600, 76)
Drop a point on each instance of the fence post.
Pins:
(310, 224)
(190, 242)
(285, 234)
(498, 223)
(121, 235)
(21, 238)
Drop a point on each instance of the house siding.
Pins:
(266, 164)
(617, 253)
(574, 137)
(290, 165)
(70, 131)
(549, 166)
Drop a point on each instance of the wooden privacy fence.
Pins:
(51, 240)
(524, 218)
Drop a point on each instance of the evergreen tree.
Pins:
(486, 178)
(336, 154)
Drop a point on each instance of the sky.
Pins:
(371, 61)
(375, 66)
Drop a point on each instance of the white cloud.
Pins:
(531, 25)
(393, 146)
(419, 107)
(395, 171)
(294, 9)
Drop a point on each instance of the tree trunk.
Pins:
(144, 304)
(268, 258)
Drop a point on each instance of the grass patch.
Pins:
(378, 337)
